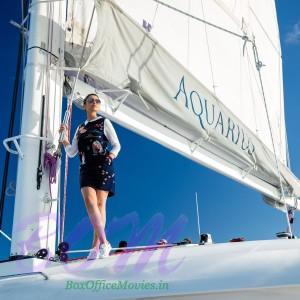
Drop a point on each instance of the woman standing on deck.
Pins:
(97, 176)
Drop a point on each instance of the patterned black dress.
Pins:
(96, 169)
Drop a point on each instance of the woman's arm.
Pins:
(112, 137)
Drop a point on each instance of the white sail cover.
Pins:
(194, 88)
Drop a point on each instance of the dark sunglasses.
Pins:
(91, 100)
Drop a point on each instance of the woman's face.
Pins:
(92, 104)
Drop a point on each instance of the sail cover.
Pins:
(193, 88)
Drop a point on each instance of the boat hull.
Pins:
(246, 270)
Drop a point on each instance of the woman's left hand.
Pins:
(111, 156)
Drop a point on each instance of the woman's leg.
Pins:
(90, 198)
(101, 201)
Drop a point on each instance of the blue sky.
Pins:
(156, 185)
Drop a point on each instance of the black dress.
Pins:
(96, 168)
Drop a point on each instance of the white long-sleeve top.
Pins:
(110, 133)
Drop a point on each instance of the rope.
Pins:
(50, 163)
(43, 49)
(60, 63)
(258, 67)
(65, 186)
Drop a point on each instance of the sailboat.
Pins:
(197, 78)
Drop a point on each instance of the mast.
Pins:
(34, 223)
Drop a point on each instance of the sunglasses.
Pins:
(91, 100)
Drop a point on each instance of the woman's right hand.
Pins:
(64, 128)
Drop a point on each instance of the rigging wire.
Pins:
(265, 32)
(250, 68)
(155, 13)
(287, 154)
(198, 218)
(244, 37)
(287, 151)
(229, 12)
(20, 60)
(67, 120)
(49, 160)
(67, 114)
(258, 67)
(47, 92)
(188, 37)
(209, 51)
(67, 11)
(72, 24)
(24, 5)
(59, 67)
(202, 20)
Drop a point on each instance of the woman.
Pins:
(97, 176)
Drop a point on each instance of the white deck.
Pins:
(246, 270)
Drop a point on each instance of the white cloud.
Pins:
(293, 36)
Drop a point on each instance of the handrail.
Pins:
(17, 137)
(24, 275)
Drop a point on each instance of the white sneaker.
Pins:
(104, 250)
(94, 254)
